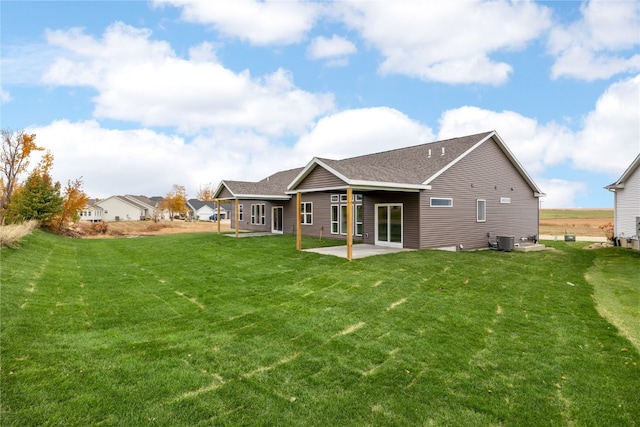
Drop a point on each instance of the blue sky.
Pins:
(136, 96)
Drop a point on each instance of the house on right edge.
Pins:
(626, 208)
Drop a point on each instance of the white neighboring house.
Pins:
(128, 208)
(626, 208)
(201, 209)
(91, 212)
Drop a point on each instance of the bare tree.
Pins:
(14, 161)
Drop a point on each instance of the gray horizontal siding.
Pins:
(320, 178)
(483, 174)
(225, 193)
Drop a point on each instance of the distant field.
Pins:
(581, 222)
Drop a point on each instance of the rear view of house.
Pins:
(457, 193)
(128, 208)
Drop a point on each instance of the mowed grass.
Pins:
(201, 329)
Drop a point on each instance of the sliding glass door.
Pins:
(388, 224)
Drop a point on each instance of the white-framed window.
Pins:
(335, 219)
(257, 214)
(359, 219)
(306, 213)
(481, 210)
(505, 199)
(441, 202)
(339, 215)
(240, 212)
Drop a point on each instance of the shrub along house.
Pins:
(453, 194)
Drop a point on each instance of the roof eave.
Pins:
(360, 185)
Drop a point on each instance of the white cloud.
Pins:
(362, 131)
(4, 96)
(560, 193)
(448, 42)
(204, 52)
(599, 45)
(537, 146)
(258, 22)
(143, 161)
(334, 47)
(607, 142)
(143, 81)
(610, 137)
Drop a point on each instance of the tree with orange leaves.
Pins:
(73, 200)
(38, 198)
(176, 201)
(206, 193)
(17, 148)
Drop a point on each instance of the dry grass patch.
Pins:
(147, 228)
(579, 222)
(10, 234)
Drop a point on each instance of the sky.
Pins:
(134, 97)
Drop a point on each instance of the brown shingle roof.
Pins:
(410, 165)
(274, 185)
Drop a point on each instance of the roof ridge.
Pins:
(478, 135)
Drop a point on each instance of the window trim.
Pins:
(335, 222)
(306, 216)
(258, 216)
(482, 202)
(449, 199)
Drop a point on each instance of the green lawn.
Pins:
(202, 329)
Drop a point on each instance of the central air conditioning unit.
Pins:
(505, 243)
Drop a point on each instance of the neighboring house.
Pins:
(128, 208)
(202, 209)
(454, 194)
(626, 207)
(91, 212)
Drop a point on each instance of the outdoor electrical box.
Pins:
(505, 243)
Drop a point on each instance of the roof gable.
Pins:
(410, 168)
(625, 175)
(272, 187)
(407, 169)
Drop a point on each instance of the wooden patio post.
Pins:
(298, 221)
(237, 216)
(349, 223)
(218, 217)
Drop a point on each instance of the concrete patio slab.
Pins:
(358, 251)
